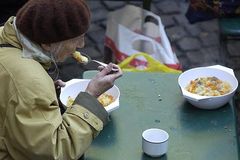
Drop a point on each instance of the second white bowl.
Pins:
(208, 102)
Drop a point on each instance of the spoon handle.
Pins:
(105, 65)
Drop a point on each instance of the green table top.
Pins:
(195, 134)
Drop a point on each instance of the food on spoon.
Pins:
(208, 86)
(80, 58)
(105, 99)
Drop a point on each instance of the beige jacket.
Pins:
(31, 126)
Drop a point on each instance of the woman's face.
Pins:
(64, 49)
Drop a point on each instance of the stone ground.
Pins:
(195, 44)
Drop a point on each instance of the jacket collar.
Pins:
(29, 49)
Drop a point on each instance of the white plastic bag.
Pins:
(131, 30)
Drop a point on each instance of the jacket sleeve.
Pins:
(83, 100)
(37, 130)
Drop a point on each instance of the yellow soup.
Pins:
(105, 99)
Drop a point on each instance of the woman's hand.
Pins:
(104, 80)
(59, 83)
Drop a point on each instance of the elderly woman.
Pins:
(31, 125)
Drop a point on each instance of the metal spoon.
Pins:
(89, 60)
(105, 65)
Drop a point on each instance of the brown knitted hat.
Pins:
(49, 21)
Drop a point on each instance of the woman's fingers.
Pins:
(100, 68)
(110, 69)
(59, 83)
(104, 80)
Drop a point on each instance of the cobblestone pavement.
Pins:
(195, 44)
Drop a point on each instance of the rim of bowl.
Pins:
(88, 80)
(165, 133)
(199, 68)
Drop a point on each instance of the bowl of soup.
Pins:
(109, 99)
(208, 87)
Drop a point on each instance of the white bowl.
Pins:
(75, 86)
(208, 102)
(155, 142)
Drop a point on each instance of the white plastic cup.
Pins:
(155, 142)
